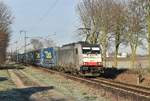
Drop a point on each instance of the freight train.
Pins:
(81, 57)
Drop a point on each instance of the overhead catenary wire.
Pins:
(45, 15)
(49, 10)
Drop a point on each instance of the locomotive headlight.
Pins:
(98, 63)
(84, 63)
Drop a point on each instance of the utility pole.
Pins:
(16, 51)
(12, 52)
(25, 43)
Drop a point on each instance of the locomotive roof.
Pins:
(82, 43)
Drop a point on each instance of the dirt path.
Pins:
(35, 90)
(16, 79)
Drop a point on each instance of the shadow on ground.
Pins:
(11, 66)
(112, 73)
(3, 78)
(21, 94)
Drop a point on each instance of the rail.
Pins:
(122, 90)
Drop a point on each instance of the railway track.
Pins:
(138, 90)
(124, 84)
(119, 90)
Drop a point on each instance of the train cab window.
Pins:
(86, 50)
(76, 50)
(95, 50)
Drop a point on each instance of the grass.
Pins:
(5, 82)
(8, 91)
(67, 87)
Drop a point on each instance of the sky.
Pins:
(40, 18)
(57, 18)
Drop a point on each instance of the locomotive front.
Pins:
(91, 59)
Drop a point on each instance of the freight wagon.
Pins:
(48, 57)
(37, 57)
(42, 57)
(30, 58)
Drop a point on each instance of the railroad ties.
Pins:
(109, 88)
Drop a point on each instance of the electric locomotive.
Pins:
(82, 57)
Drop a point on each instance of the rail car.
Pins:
(30, 58)
(81, 57)
(37, 57)
(48, 57)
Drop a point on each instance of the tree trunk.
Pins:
(116, 53)
(149, 53)
(104, 46)
(148, 27)
(104, 56)
(117, 43)
(133, 49)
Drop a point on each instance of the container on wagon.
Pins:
(48, 57)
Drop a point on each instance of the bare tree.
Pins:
(42, 43)
(119, 25)
(104, 18)
(87, 11)
(112, 21)
(135, 28)
(5, 22)
(48, 43)
(95, 16)
(145, 4)
(37, 44)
